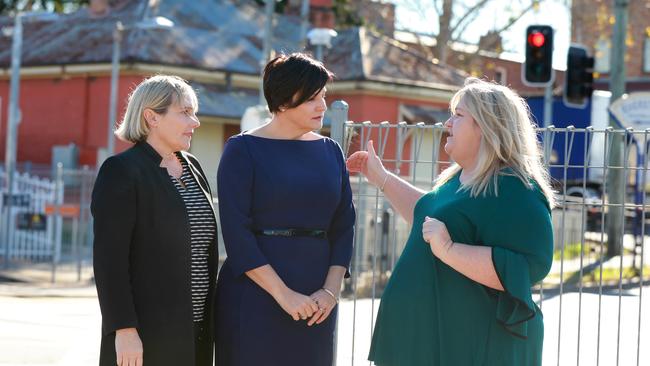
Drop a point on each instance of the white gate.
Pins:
(27, 233)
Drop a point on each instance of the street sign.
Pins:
(65, 210)
(16, 199)
(632, 110)
(31, 221)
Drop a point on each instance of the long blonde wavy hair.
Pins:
(508, 139)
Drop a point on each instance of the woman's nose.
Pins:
(448, 123)
(322, 106)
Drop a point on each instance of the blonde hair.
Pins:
(508, 139)
(157, 93)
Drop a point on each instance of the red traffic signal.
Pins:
(536, 39)
(537, 70)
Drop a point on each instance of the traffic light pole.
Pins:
(548, 105)
(616, 179)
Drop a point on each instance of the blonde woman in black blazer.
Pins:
(155, 246)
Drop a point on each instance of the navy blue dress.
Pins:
(278, 184)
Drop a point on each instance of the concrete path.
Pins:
(60, 325)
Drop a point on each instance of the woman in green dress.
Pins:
(460, 294)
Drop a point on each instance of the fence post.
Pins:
(75, 246)
(6, 214)
(83, 221)
(58, 220)
(339, 116)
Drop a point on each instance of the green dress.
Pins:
(431, 314)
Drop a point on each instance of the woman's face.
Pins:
(308, 116)
(175, 128)
(464, 137)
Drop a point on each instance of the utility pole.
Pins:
(115, 77)
(304, 23)
(616, 180)
(266, 51)
(548, 104)
(12, 128)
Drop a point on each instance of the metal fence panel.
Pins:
(594, 313)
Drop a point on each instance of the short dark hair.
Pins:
(290, 80)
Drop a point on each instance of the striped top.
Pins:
(203, 229)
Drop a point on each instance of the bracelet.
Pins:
(331, 294)
(384, 183)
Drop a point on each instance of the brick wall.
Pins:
(593, 22)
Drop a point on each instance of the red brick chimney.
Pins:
(321, 14)
(98, 7)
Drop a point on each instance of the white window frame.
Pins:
(504, 75)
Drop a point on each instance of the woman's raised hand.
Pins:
(368, 164)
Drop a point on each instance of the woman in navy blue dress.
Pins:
(288, 224)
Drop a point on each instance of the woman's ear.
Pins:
(150, 117)
(282, 108)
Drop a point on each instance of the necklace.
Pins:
(174, 168)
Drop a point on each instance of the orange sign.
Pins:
(65, 210)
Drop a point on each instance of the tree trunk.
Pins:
(444, 33)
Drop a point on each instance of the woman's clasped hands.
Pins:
(315, 308)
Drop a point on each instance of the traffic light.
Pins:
(579, 76)
(538, 68)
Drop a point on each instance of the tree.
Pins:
(8, 7)
(454, 16)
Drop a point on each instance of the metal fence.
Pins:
(46, 226)
(592, 299)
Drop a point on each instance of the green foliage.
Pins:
(571, 251)
(345, 15)
(610, 275)
(280, 5)
(614, 274)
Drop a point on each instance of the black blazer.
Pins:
(142, 256)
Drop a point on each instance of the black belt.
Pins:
(320, 234)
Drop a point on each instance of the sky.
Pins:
(551, 12)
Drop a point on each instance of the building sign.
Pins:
(632, 110)
(16, 200)
(64, 210)
(31, 221)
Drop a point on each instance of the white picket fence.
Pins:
(27, 243)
